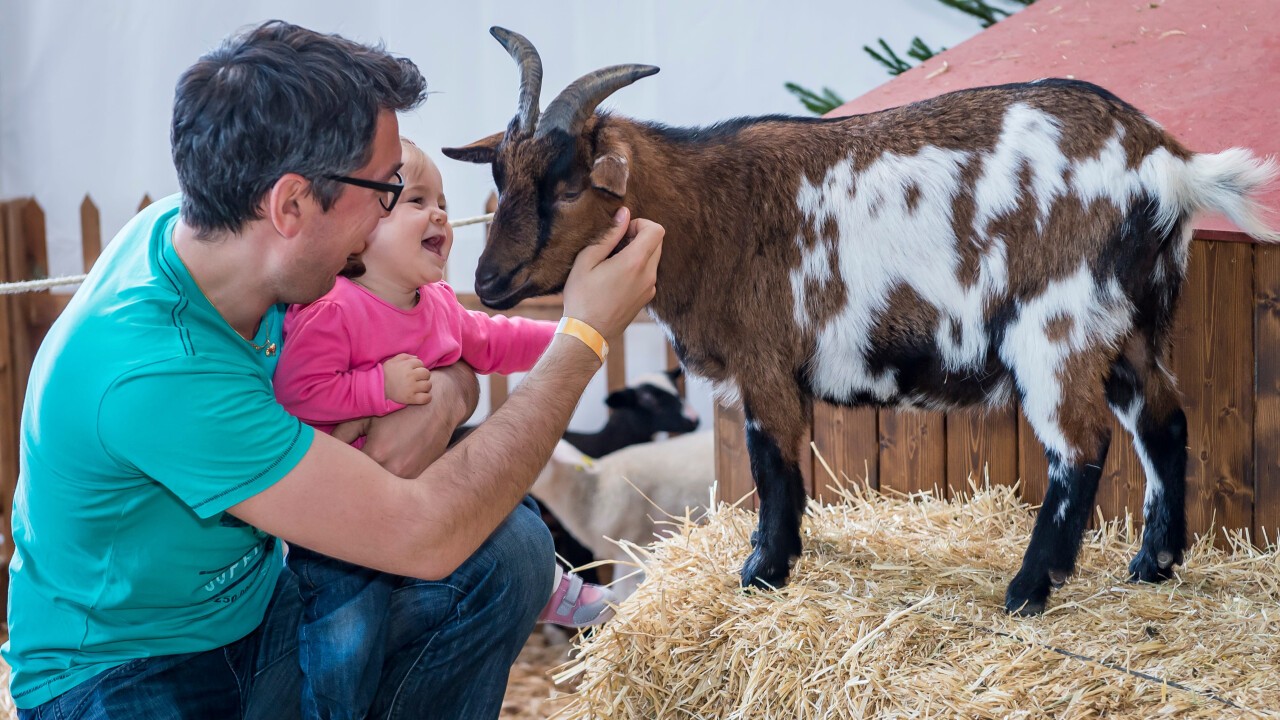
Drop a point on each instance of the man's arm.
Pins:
(339, 502)
(408, 440)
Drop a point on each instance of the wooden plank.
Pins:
(981, 444)
(10, 401)
(1213, 359)
(805, 460)
(90, 233)
(1123, 481)
(1266, 434)
(733, 465)
(913, 451)
(848, 441)
(1033, 468)
(27, 260)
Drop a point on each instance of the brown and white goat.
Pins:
(1025, 241)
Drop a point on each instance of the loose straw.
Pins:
(14, 288)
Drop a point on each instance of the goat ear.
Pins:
(621, 398)
(675, 373)
(609, 174)
(481, 151)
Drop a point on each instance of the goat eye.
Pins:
(569, 195)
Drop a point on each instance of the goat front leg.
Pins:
(1055, 542)
(780, 488)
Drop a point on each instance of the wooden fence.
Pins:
(1226, 358)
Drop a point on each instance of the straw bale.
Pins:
(895, 610)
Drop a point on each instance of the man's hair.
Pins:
(279, 99)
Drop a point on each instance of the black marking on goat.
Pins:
(728, 129)
(1164, 441)
(1056, 538)
(780, 488)
(1080, 86)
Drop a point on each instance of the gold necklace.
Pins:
(268, 348)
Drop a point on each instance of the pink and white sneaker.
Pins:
(577, 604)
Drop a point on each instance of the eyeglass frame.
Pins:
(394, 188)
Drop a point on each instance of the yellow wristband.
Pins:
(585, 333)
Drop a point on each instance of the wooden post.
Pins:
(10, 394)
(1214, 361)
(848, 441)
(913, 451)
(90, 233)
(733, 465)
(981, 444)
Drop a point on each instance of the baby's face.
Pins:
(410, 246)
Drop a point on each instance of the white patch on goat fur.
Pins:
(1028, 138)
(1099, 317)
(884, 244)
(1106, 175)
(1128, 417)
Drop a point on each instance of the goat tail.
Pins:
(1229, 182)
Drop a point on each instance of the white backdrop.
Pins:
(86, 88)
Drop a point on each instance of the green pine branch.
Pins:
(986, 14)
(819, 104)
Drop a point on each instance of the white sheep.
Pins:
(626, 495)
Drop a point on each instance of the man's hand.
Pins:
(407, 380)
(407, 441)
(607, 292)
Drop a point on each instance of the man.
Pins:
(158, 471)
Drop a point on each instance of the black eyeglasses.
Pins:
(391, 191)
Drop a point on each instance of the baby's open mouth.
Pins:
(435, 244)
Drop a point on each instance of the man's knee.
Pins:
(524, 557)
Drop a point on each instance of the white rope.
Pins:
(45, 283)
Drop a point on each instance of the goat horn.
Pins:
(523, 52)
(574, 104)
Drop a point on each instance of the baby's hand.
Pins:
(407, 380)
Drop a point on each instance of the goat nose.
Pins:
(487, 281)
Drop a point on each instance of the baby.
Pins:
(367, 349)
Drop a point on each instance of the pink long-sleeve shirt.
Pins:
(330, 369)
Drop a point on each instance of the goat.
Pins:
(1026, 240)
(649, 406)
(622, 496)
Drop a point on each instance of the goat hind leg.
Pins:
(1146, 403)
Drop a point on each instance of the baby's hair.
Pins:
(412, 155)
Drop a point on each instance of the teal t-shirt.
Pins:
(146, 417)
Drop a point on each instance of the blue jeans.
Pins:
(343, 634)
(449, 647)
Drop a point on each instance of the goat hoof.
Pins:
(1057, 578)
(1028, 594)
(765, 572)
(1147, 568)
